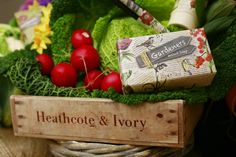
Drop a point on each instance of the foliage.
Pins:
(10, 59)
(87, 11)
(118, 28)
(61, 43)
(25, 74)
(192, 96)
(61, 7)
(7, 31)
(160, 9)
(23, 71)
(225, 61)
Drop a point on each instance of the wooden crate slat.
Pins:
(100, 120)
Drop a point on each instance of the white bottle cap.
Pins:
(183, 19)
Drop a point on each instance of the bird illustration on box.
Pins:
(148, 43)
(186, 64)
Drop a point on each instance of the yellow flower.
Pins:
(46, 11)
(42, 32)
(34, 6)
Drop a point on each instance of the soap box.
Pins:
(173, 60)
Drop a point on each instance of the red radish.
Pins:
(93, 80)
(85, 58)
(112, 80)
(64, 75)
(46, 63)
(81, 37)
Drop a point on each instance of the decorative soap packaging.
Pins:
(165, 61)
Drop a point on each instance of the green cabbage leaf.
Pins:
(160, 9)
(113, 30)
(118, 25)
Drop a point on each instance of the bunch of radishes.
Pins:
(84, 59)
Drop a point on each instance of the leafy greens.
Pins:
(24, 72)
(160, 9)
(118, 28)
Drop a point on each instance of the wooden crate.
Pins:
(168, 123)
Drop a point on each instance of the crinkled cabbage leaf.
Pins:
(160, 9)
(113, 30)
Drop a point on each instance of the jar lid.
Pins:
(184, 19)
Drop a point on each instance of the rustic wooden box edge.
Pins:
(188, 117)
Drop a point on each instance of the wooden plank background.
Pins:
(12, 146)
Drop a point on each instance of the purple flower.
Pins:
(27, 3)
(44, 2)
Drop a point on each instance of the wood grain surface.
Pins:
(12, 146)
(169, 123)
(157, 124)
